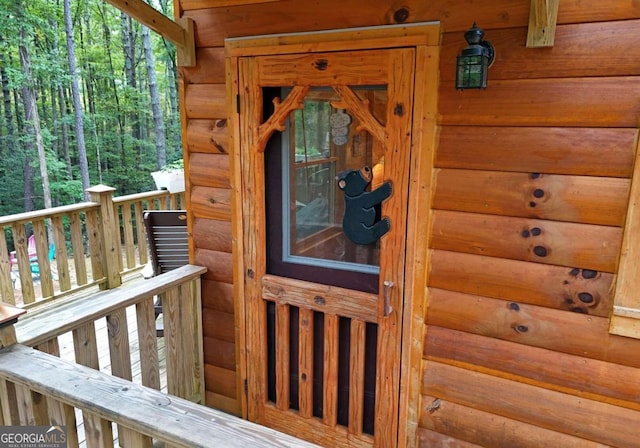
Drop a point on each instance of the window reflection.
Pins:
(320, 142)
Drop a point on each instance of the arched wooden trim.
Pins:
(359, 108)
(276, 121)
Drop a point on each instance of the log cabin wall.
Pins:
(531, 190)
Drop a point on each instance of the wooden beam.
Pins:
(543, 16)
(179, 32)
(625, 320)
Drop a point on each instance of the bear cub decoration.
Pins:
(361, 222)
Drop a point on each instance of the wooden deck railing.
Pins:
(53, 388)
(38, 388)
(77, 246)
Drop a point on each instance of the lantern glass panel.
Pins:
(472, 72)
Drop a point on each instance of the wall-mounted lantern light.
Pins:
(473, 63)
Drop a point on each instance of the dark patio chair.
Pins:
(168, 246)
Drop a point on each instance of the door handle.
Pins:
(386, 294)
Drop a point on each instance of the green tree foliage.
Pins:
(121, 150)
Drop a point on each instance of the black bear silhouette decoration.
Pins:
(361, 222)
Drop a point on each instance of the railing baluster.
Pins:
(97, 431)
(24, 267)
(77, 244)
(119, 351)
(85, 345)
(148, 344)
(25, 407)
(128, 437)
(127, 228)
(6, 281)
(62, 261)
(172, 341)
(51, 346)
(42, 260)
(61, 414)
(9, 403)
(142, 238)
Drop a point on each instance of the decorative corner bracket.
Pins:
(276, 122)
(359, 108)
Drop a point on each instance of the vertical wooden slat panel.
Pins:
(148, 344)
(61, 414)
(62, 262)
(356, 376)
(305, 350)
(282, 356)
(85, 346)
(78, 248)
(330, 370)
(98, 432)
(119, 351)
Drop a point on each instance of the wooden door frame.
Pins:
(425, 38)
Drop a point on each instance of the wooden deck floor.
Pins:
(67, 353)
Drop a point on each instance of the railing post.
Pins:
(8, 316)
(107, 232)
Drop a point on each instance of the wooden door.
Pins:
(322, 313)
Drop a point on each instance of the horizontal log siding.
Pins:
(532, 188)
(504, 315)
(205, 137)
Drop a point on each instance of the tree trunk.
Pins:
(32, 119)
(77, 105)
(10, 144)
(158, 123)
(64, 110)
(106, 32)
(130, 73)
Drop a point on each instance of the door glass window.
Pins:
(320, 142)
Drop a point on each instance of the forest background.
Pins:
(89, 96)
